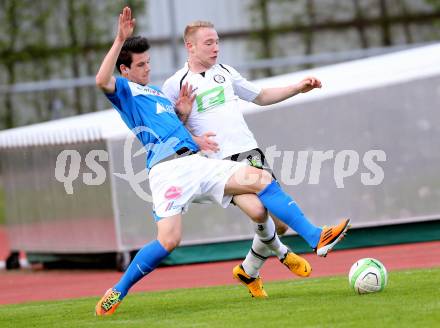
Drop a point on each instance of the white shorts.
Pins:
(175, 183)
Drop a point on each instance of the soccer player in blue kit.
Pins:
(177, 173)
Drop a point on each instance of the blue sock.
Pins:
(285, 208)
(145, 261)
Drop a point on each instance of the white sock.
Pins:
(256, 257)
(267, 234)
(265, 242)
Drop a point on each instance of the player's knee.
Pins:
(170, 242)
(259, 179)
(265, 179)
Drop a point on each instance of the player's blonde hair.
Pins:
(192, 28)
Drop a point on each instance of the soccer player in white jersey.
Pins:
(218, 126)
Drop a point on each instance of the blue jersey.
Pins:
(151, 117)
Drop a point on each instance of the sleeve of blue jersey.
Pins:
(121, 87)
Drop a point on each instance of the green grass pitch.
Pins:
(411, 299)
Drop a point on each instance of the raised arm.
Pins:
(269, 96)
(105, 79)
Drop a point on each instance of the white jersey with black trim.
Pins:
(216, 107)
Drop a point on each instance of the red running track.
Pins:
(36, 285)
(4, 244)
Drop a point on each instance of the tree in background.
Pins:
(65, 39)
(52, 39)
(377, 23)
(436, 6)
(260, 19)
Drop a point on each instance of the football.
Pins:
(368, 275)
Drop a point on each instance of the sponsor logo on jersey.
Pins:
(162, 108)
(210, 98)
(137, 89)
(219, 78)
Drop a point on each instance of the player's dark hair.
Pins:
(134, 44)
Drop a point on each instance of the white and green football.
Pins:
(368, 275)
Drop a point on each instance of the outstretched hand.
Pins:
(126, 24)
(309, 83)
(185, 101)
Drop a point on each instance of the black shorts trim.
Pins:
(255, 158)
